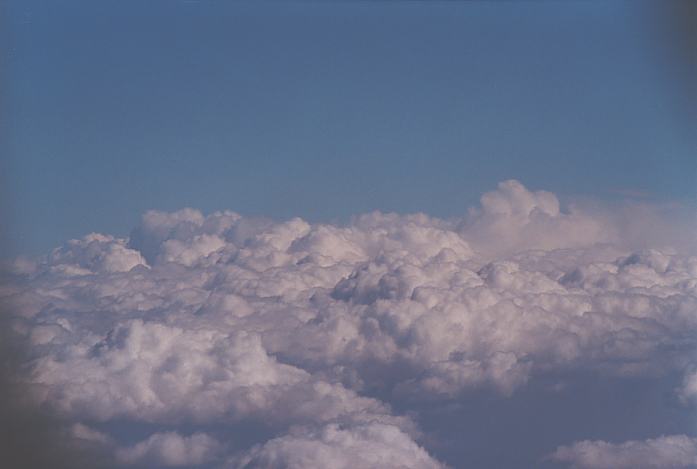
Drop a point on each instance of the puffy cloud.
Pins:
(361, 447)
(83, 433)
(158, 227)
(94, 253)
(513, 218)
(164, 449)
(222, 320)
(673, 451)
(171, 449)
(688, 389)
(157, 373)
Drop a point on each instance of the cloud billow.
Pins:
(334, 338)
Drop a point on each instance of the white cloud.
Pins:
(156, 373)
(94, 253)
(171, 449)
(221, 319)
(360, 447)
(512, 218)
(675, 451)
(688, 389)
(83, 433)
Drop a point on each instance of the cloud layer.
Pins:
(664, 452)
(316, 333)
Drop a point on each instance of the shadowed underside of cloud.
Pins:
(335, 339)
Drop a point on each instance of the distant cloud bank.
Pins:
(244, 342)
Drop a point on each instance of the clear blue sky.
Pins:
(323, 110)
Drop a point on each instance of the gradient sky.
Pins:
(324, 110)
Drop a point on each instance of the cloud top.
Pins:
(314, 332)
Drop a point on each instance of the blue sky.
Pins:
(324, 110)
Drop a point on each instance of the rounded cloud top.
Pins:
(316, 333)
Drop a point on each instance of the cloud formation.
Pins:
(674, 451)
(315, 332)
(363, 446)
(171, 449)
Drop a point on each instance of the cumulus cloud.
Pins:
(673, 451)
(163, 449)
(513, 218)
(171, 449)
(94, 253)
(361, 447)
(156, 373)
(221, 320)
(688, 390)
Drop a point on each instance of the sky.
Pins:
(348, 235)
(325, 110)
